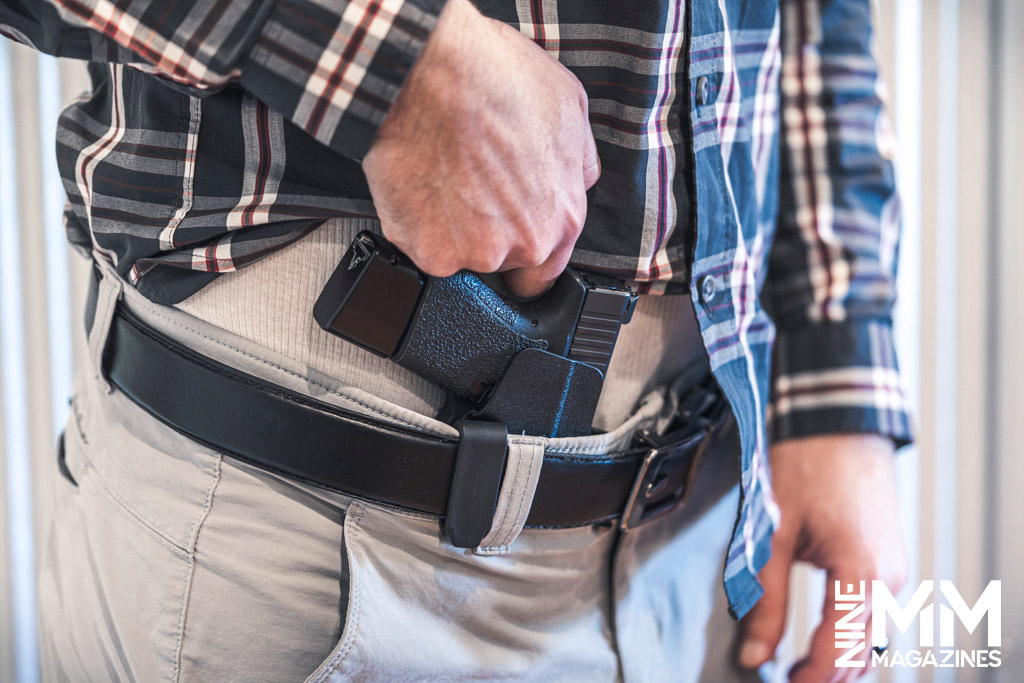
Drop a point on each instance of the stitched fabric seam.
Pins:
(605, 450)
(349, 399)
(186, 589)
(491, 550)
(76, 414)
(350, 635)
(394, 507)
(507, 520)
(567, 457)
(99, 341)
(127, 507)
(274, 390)
(600, 448)
(503, 525)
(332, 392)
(522, 496)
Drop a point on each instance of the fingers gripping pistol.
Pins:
(537, 365)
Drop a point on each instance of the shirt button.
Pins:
(702, 90)
(708, 289)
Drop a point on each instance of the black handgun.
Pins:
(536, 365)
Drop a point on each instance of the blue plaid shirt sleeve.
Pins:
(333, 68)
(831, 282)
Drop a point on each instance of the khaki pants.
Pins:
(168, 561)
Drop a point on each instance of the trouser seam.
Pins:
(351, 532)
(131, 512)
(186, 589)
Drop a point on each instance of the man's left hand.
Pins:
(837, 495)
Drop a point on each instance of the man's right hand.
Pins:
(485, 158)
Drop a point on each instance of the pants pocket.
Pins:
(115, 563)
(109, 586)
(422, 610)
(269, 592)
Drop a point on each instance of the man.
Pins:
(731, 151)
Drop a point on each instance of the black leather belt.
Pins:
(247, 418)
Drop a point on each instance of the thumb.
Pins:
(763, 626)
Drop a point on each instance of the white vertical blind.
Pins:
(36, 330)
(58, 308)
(19, 577)
(1008, 335)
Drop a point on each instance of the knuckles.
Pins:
(441, 262)
(432, 261)
(434, 269)
(532, 251)
(486, 262)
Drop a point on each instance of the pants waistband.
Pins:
(270, 303)
(171, 350)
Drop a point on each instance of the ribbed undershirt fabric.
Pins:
(271, 302)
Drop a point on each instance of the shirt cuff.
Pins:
(841, 377)
(335, 68)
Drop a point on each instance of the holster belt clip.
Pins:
(476, 482)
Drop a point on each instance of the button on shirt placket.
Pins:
(706, 289)
(701, 95)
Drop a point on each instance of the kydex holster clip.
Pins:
(537, 365)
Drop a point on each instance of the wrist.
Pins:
(435, 73)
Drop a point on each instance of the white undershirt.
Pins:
(270, 303)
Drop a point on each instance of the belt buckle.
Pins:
(663, 482)
(656, 477)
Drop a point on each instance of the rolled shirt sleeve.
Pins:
(832, 274)
(333, 68)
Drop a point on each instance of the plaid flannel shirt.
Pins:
(746, 163)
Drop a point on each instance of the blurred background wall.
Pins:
(42, 300)
(956, 75)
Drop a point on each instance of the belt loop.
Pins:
(108, 293)
(522, 471)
